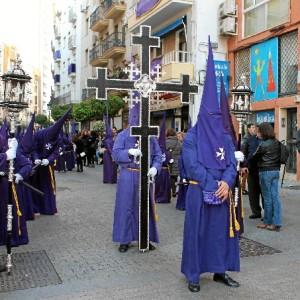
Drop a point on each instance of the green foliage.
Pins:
(41, 119)
(58, 110)
(115, 103)
(99, 127)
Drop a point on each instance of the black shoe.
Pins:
(245, 192)
(2, 268)
(226, 279)
(254, 216)
(123, 247)
(262, 219)
(151, 247)
(194, 286)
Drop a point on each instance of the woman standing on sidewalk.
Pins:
(267, 156)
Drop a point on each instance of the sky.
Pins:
(18, 19)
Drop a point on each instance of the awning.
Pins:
(169, 28)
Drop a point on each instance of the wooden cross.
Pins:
(145, 86)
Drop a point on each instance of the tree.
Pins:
(41, 120)
(99, 127)
(58, 110)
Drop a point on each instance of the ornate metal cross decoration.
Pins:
(145, 86)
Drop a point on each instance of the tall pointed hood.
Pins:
(226, 116)
(162, 135)
(26, 144)
(209, 127)
(4, 135)
(53, 131)
(109, 134)
(73, 130)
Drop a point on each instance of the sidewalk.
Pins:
(75, 247)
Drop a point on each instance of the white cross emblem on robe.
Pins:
(48, 146)
(221, 154)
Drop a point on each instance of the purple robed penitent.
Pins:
(208, 156)
(163, 181)
(126, 214)
(46, 144)
(22, 165)
(110, 167)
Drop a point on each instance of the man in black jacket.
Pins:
(298, 140)
(249, 145)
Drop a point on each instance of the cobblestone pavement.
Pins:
(78, 243)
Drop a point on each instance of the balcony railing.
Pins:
(116, 39)
(57, 79)
(175, 63)
(96, 58)
(72, 42)
(57, 33)
(97, 21)
(72, 15)
(113, 8)
(88, 93)
(57, 56)
(178, 57)
(72, 70)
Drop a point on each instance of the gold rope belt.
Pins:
(193, 182)
(52, 180)
(232, 213)
(133, 169)
(165, 168)
(19, 213)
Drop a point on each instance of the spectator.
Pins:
(267, 156)
(250, 143)
(173, 145)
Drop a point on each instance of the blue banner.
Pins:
(222, 69)
(265, 116)
(264, 70)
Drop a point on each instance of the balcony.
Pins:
(52, 46)
(97, 21)
(57, 79)
(57, 33)
(72, 70)
(114, 45)
(175, 63)
(88, 93)
(113, 9)
(163, 10)
(57, 56)
(96, 58)
(72, 15)
(72, 42)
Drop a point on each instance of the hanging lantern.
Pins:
(14, 88)
(241, 102)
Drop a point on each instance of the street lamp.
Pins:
(241, 105)
(14, 90)
(49, 111)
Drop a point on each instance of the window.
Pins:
(260, 15)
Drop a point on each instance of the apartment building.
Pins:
(66, 48)
(266, 50)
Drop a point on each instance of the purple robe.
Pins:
(180, 204)
(69, 155)
(60, 162)
(109, 165)
(22, 165)
(163, 182)
(207, 246)
(126, 214)
(44, 177)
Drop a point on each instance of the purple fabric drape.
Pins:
(144, 6)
